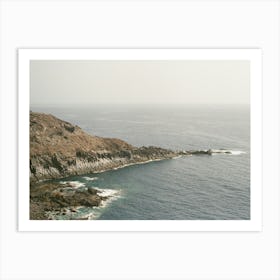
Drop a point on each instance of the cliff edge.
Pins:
(59, 149)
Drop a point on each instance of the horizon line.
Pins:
(117, 104)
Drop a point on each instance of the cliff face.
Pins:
(59, 149)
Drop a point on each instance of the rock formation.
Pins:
(59, 149)
(61, 198)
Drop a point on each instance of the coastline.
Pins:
(40, 210)
(59, 150)
(96, 196)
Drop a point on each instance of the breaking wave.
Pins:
(90, 178)
(229, 152)
(74, 184)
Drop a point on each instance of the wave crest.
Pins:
(230, 152)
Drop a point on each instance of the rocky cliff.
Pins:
(59, 149)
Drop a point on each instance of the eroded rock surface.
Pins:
(50, 197)
(59, 149)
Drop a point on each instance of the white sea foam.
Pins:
(107, 192)
(90, 178)
(237, 152)
(229, 152)
(177, 157)
(88, 216)
(74, 184)
(110, 195)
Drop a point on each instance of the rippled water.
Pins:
(197, 187)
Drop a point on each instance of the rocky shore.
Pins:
(59, 149)
(60, 198)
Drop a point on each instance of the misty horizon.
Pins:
(139, 82)
(137, 104)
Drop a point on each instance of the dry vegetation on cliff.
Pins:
(59, 149)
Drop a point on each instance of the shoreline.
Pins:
(58, 200)
(180, 154)
(59, 150)
(70, 210)
(102, 171)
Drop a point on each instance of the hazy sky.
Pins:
(190, 82)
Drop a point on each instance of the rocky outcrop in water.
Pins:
(60, 199)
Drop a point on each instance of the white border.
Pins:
(253, 55)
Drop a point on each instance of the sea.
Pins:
(201, 187)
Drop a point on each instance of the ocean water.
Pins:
(188, 188)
